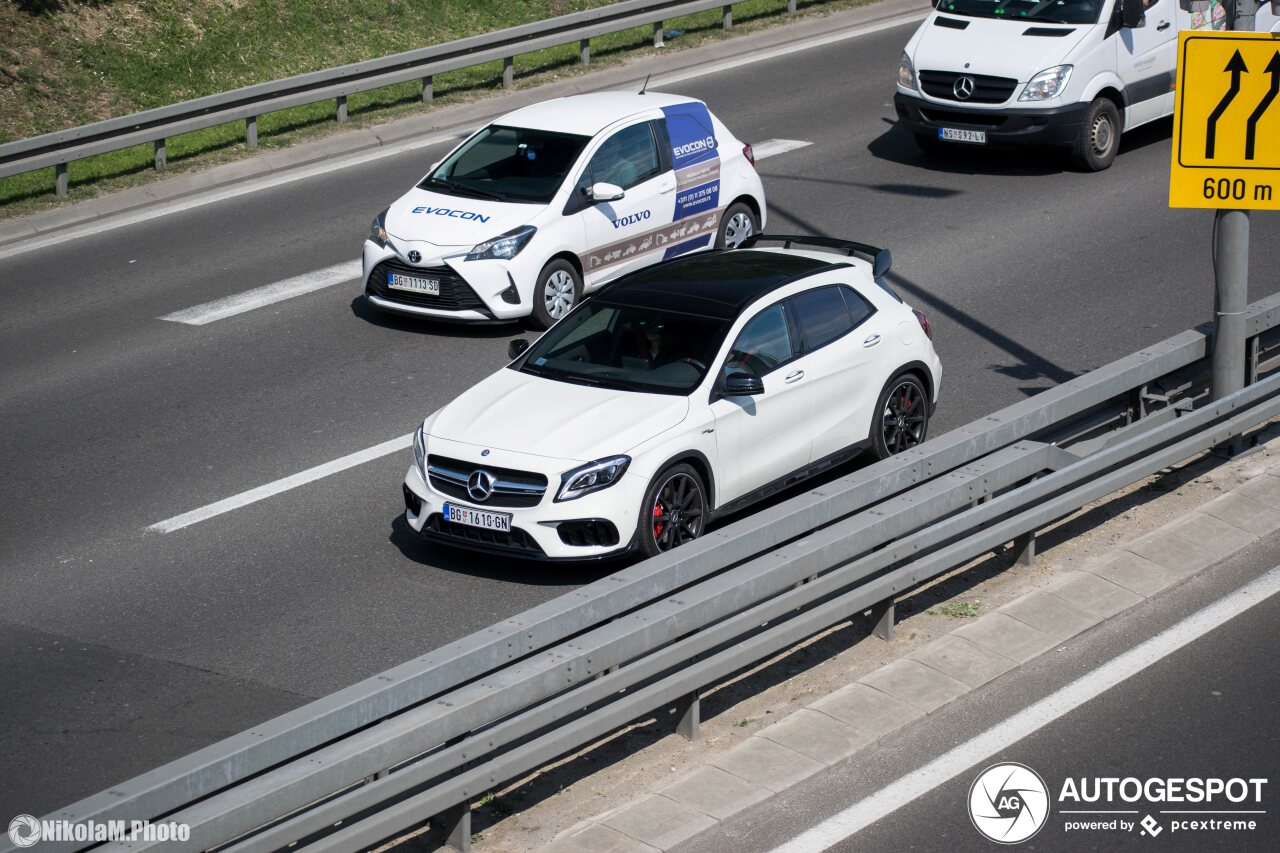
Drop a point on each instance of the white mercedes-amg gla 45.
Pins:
(677, 394)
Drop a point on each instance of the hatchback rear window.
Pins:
(821, 315)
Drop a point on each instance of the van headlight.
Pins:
(592, 477)
(504, 246)
(906, 73)
(1049, 83)
(378, 229)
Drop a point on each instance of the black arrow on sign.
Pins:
(1236, 67)
(1251, 131)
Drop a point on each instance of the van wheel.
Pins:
(1099, 137)
(558, 290)
(901, 417)
(737, 224)
(674, 510)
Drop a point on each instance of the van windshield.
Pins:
(1043, 11)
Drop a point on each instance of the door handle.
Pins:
(1164, 25)
(794, 377)
(871, 341)
(666, 188)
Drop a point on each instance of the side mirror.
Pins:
(605, 192)
(516, 348)
(743, 385)
(1131, 13)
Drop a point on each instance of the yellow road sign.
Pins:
(1226, 122)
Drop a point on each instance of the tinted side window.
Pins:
(821, 315)
(627, 158)
(763, 344)
(859, 308)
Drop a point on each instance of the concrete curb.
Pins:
(272, 165)
(838, 727)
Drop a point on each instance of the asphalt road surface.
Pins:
(122, 648)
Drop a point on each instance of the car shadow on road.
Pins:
(372, 314)
(440, 557)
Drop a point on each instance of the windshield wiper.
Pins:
(463, 189)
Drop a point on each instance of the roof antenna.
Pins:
(646, 83)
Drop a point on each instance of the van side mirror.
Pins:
(605, 192)
(516, 348)
(1131, 13)
(743, 385)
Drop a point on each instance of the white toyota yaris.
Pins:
(554, 200)
(679, 393)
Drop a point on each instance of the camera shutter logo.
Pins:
(24, 830)
(1008, 803)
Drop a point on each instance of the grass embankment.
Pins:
(70, 62)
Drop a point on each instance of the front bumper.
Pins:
(545, 531)
(1051, 127)
(471, 291)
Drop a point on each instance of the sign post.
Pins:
(1226, 156)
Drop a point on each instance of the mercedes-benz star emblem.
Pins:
(963, 88)
(416, 256)
(480, 485)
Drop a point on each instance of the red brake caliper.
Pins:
(657, 513)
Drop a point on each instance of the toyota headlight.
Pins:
(378, 230)
(592, 477)
(1047, 84)
(504, 246)
(906, 73)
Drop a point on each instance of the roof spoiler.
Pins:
(881, 259)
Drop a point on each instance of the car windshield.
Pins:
(1045, 11)
(629, 349)
(508, 164)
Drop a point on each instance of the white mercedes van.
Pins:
(1068, 74)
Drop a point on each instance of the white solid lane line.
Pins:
(773, 147)
(239, 303)
(310, 475)
(1003, 735)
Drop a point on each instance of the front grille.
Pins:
(517, 541)
(511, 488)
(950, 117)
(455, 294)
(986, 90)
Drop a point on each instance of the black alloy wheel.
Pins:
(674, 510)
(902, 418)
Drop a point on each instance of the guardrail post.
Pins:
(689, 708)
(508, 72)
(584, 51)
(162, 156)
(456, 822)
(791, 7)
(883, 616)
(428, 91)
(657, 35)
(342, 108)
(728, 17)
(60, 179)
(1025, 545)
(251, 131)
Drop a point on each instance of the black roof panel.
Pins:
(716, 284)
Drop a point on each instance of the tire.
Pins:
(1098, 141)
(901, 418)
(738, 223)
(678, 490)
(558, 291)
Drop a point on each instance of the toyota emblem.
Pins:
(416, 256)
(480, 485)
(963, 88)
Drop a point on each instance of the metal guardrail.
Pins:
(432, 735)
(249, 103)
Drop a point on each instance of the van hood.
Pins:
(520, 413)
(994, 47)
(448, 220)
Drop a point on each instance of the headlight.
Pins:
(592, 477)
(1047, 84)
(906, 72)
(378, 230)
(420, 452)
(504, 246)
